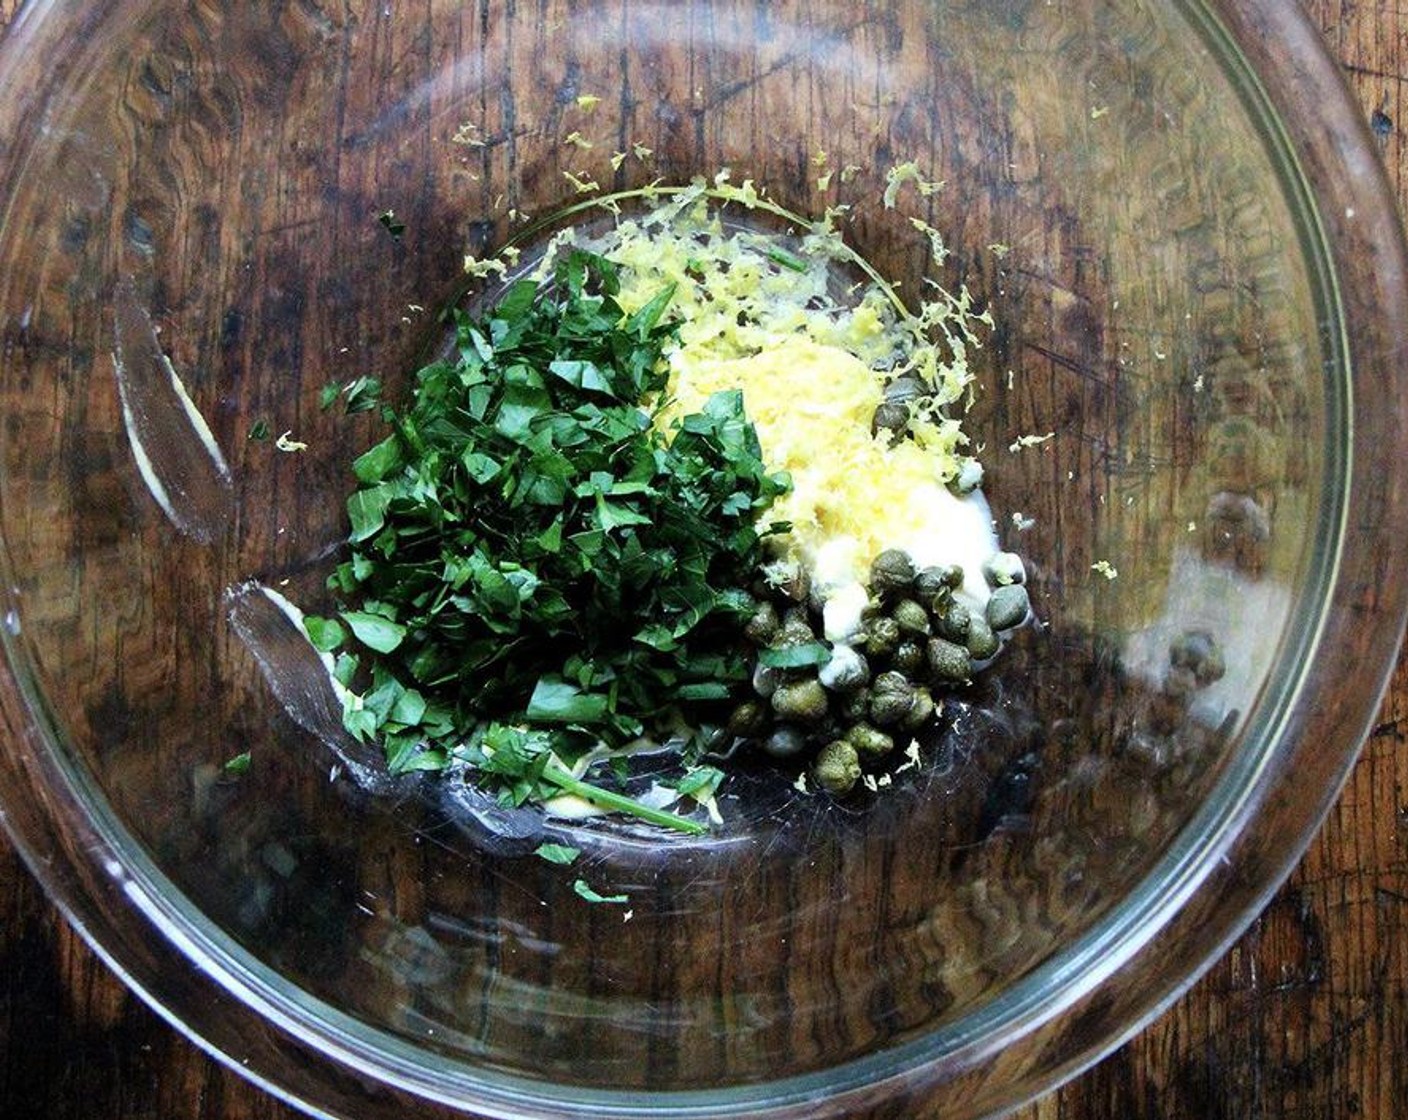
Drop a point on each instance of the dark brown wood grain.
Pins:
(1307, 1016)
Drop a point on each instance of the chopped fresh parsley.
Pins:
(787, 260)
(582, 888)
(393, 225)
(238, 765)
(363, 394)
(557, 853)
(805, 655)
(536, 569)
(700, 783)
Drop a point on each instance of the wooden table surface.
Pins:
(1307, 1016)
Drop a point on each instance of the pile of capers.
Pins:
(918, 639)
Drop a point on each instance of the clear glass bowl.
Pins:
(1197, 284)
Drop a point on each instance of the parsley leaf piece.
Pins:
(704, 690)
(558, 701)
(585, 890)
(326, 634)
(795, 657)
(345, 669)
(647, 319)
(406, 753)
(373, 631)
(373, 465)
(557, 853)
(237, 765)
(700, 783)
(363, 394)
(391, 224)
(366, 510)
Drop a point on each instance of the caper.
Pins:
(982, 643)
(797, 623)
(1008, 606)
(881, 635)
(1180, 681)
(1198, 650)
(763, 626)
(892, 682)
(948, 661)
(845, 672)
(1167, 712)
(891, 573)
(852, 707)
(910, 617)
(870, 741)
(953, 623)
(908, 657)
(930, 582)
(904, 388)
(803, 701)
(795, 630)
(748, 719)
(891, 707)
(890, 417)
(796, 584)
(786, 741)
(837, 767)
(920, 713)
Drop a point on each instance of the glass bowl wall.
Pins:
(1193, 275)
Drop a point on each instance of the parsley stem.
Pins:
(617, 802)
(787, 260)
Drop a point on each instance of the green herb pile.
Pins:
(535, 569)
